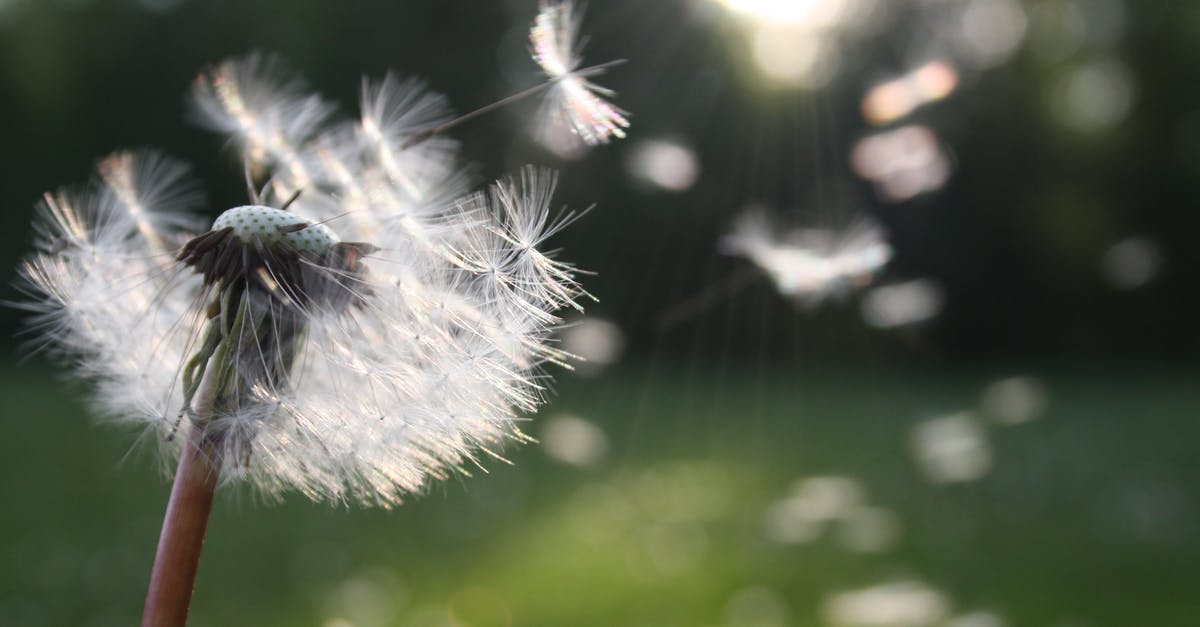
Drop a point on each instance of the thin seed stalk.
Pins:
(177, 559)
(182, 538)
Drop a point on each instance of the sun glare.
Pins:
(813, 13)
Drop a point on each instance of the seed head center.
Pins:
(276, 226)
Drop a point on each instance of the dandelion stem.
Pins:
(182, 539)
(178, 557)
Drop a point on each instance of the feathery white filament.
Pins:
(265, 111)
(103, 291)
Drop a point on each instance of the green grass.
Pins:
(1088, 517)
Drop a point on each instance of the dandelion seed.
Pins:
(265, 111)
(573, 98)
(811, 265)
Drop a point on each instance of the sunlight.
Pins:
(812, 13)
(799, 43)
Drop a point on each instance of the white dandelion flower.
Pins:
(573, 99)
(814, 264)
(361, 327)
(350, 344)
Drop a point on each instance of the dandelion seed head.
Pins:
(387, 329)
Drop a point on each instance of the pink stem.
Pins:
(179, 546)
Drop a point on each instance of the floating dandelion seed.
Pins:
(265, 111)
(350, 334)
(573, 98)
(811, 265)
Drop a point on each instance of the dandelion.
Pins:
(360, 328)
(573, 98)
(811, 265)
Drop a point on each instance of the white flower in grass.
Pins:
(573, 98)
(350, 343)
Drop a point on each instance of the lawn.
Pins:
(1087, 516)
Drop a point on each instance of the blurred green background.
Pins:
(1025, 457)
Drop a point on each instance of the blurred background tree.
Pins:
(1017, 237)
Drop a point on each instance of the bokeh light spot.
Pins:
(574, 441)
(898, 604)
(756, 607)
(894, 99)
(597, 342)
(1014, 400)
(903, 162)
(1132, 262)
(951, 448)
(666, 164)
(1094, 96)
(902, 304)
